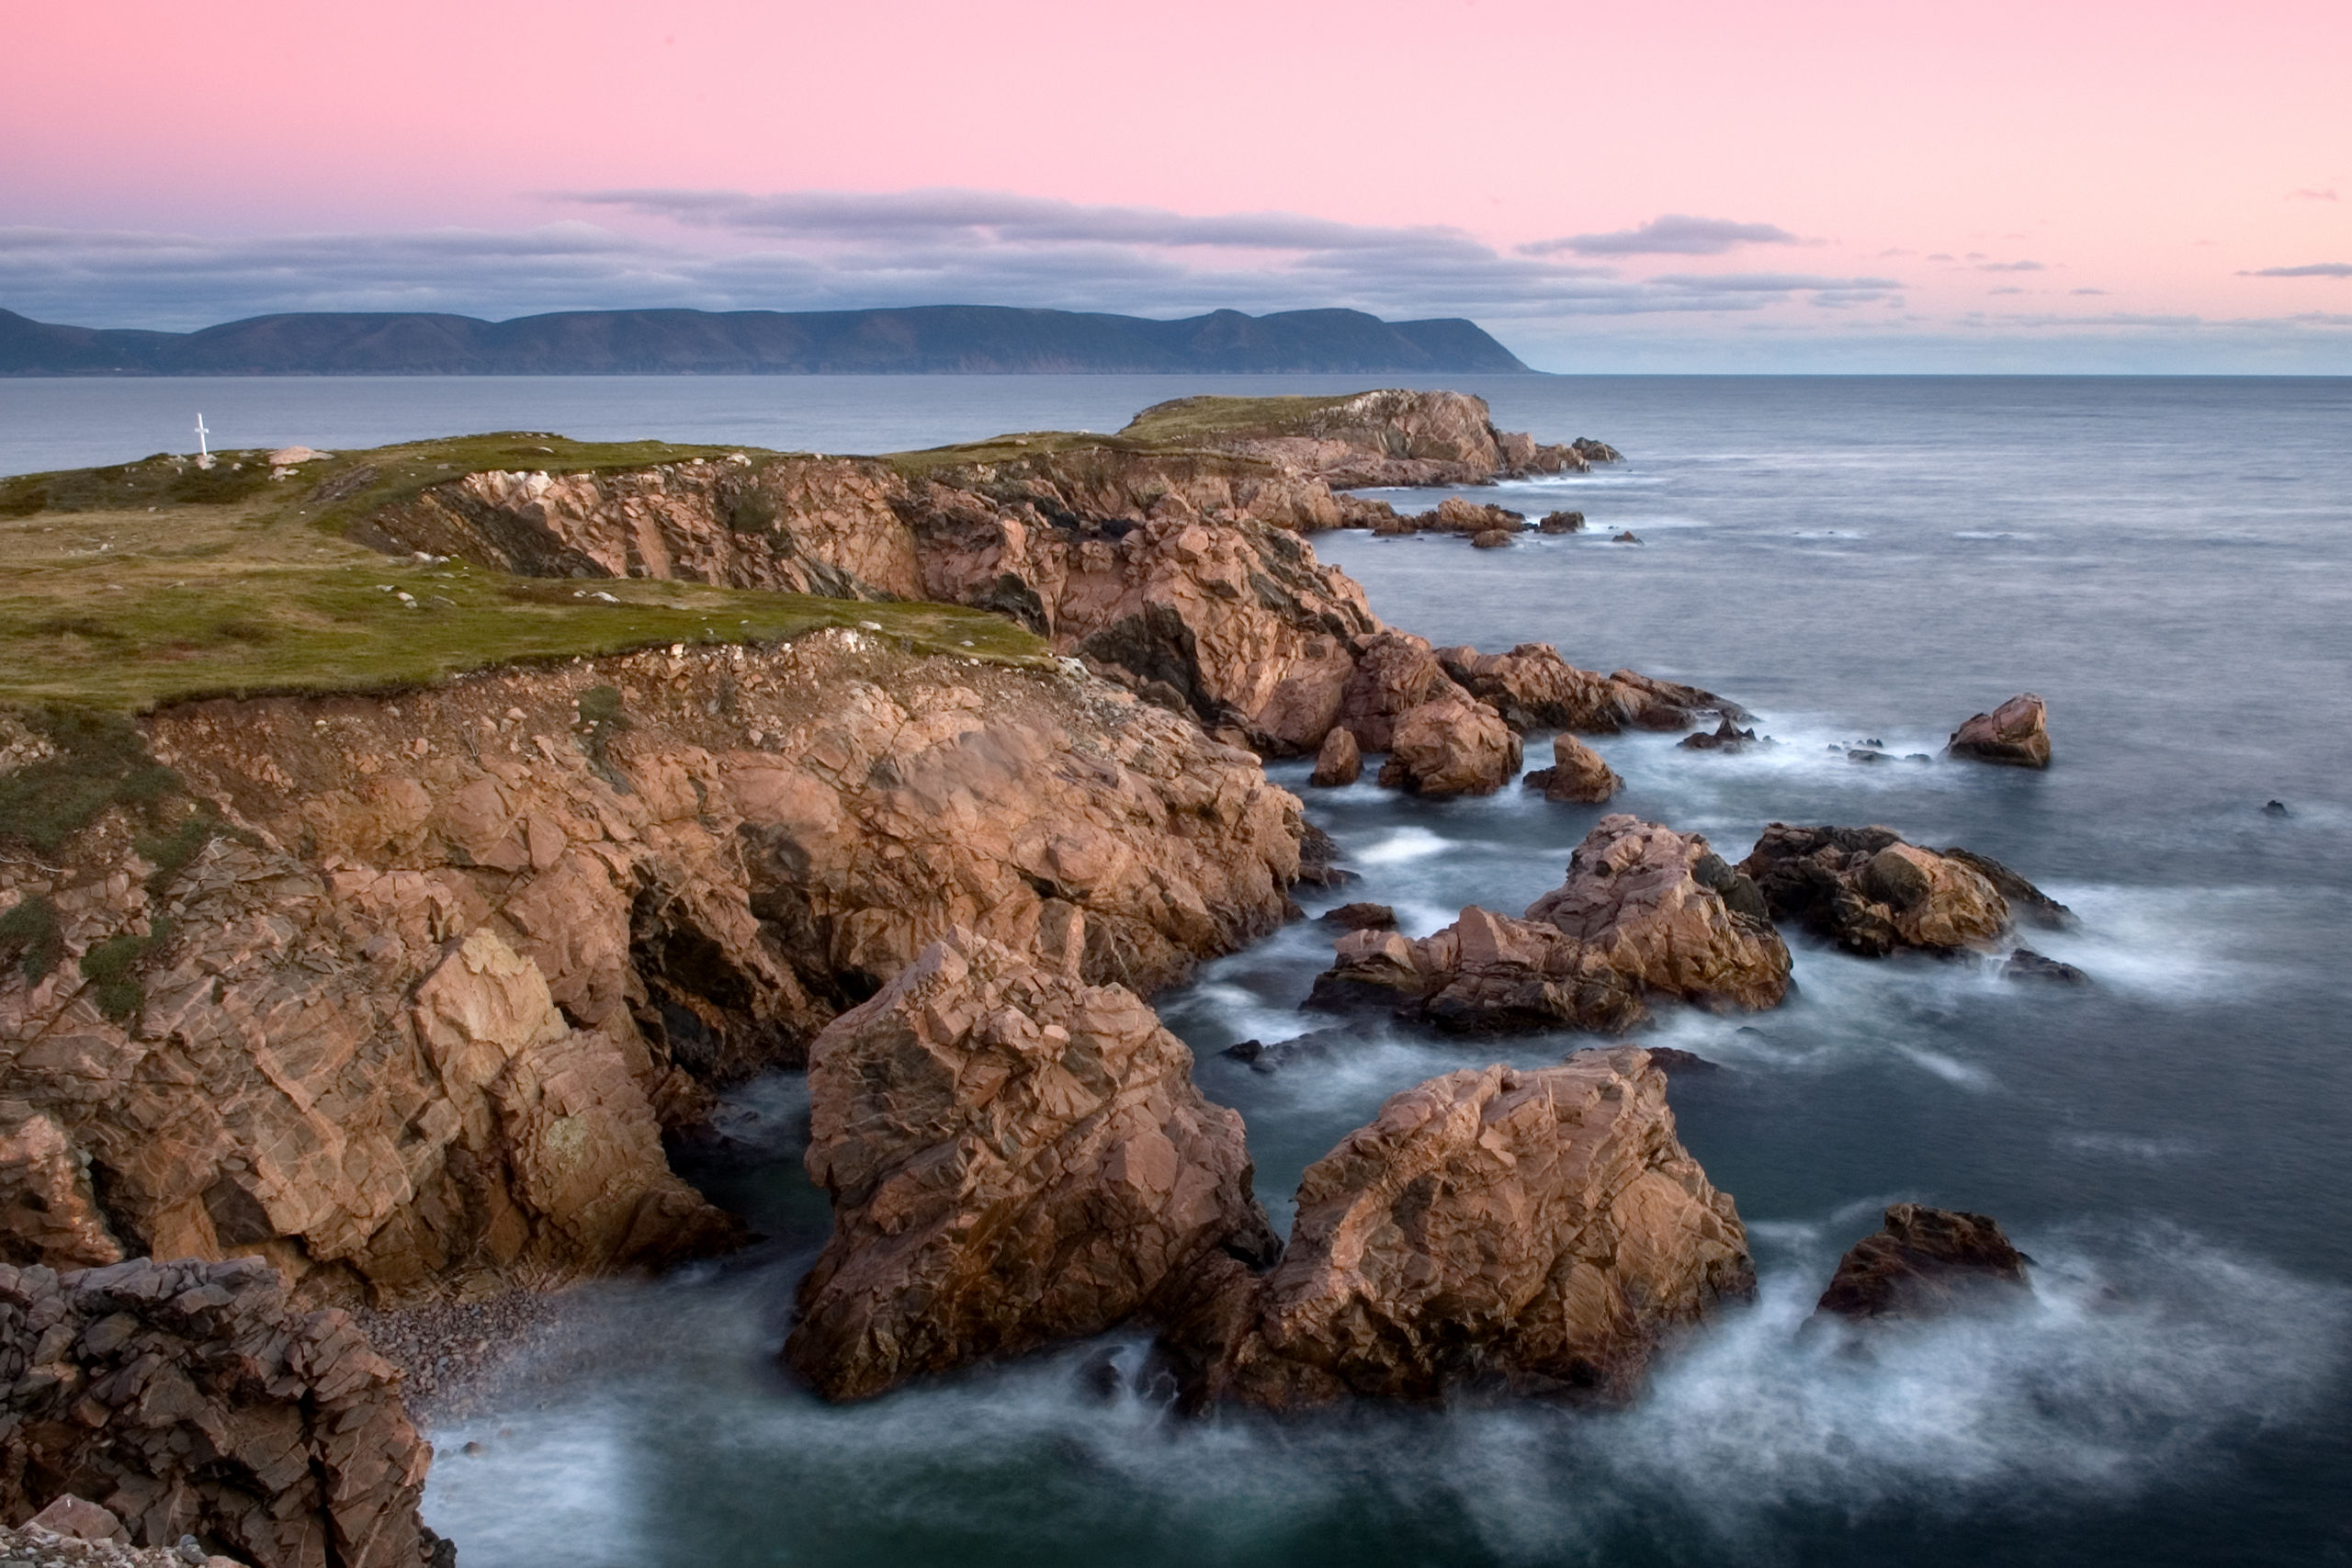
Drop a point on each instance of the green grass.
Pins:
(1189, 421)
(336, 491)
(31, 938)
(140, 602)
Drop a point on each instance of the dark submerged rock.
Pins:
(1925, 1263)
(1361, 918)
(2028, 965)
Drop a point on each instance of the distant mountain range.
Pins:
(924, 340)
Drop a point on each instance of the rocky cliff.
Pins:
(1166, 556)
(411, 993)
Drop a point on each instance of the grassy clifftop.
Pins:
(150, 582)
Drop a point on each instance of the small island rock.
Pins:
(1926, 1262)
(1576, 776)
(2016, 735)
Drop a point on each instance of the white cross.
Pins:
(201, 449)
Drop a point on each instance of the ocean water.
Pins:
(2168, 562)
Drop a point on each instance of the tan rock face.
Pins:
(2015, 735)
(1238, 622)
(47, 1213)
(427, 1018)
(797, 524)
(1533, 688)
(1646, 913)
(1926, 1262)
(1540, 1232)
(1450, 746)
(1395, 673)
(1576, 776)
(1870, 892)
(1014, 1156)
(1340, 761)
(1455, 515)
(190, 1399)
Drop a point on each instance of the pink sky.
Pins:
(2157, 152)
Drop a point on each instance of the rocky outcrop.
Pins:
(190, 1399)
(1725, 737)
(1871, 893)
(1645, 914)
(417, 1010)
(1536, 1231)
(2028, 903)
(1181, 571)
(1015, 1158)
(1341, 761)
(2016, 735)
(1167, 557)
(1469, 518)
(1361, 917)
(1395, 673)
(1925, 1263)
(1533, 688)
(1449, 746)
(1382, 438)
(1577, 776)
(1561, 523)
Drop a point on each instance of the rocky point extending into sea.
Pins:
(384, 994)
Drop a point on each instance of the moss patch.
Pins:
(110, 968)
(100, 762)
(31, 938)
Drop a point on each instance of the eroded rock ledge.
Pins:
(1169, 558)
(190, 1399)
(1872, 893)
(421, 1007)
(1645, 914)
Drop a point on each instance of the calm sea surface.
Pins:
(2168, 562)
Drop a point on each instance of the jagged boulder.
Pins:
(1646, 913)
(1450, 746)
(1923, 1263)
(1395, 673)
(1871, 893)
(1537, 1232)
(1577, 776)
(1561, 523)
(1340, 761)
(190, 1399)
(2016, 735)
(1013, 1157)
